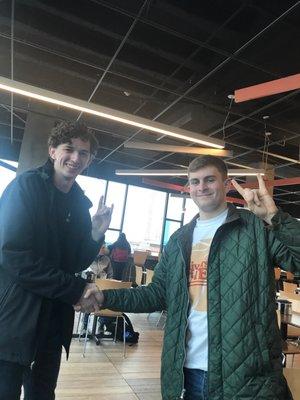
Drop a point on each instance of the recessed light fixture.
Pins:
(48, 96)
(177, 149)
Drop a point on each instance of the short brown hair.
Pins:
(207, 160)
(64, 131)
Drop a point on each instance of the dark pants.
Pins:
(39, 380)
(195, 384)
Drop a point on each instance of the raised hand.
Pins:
(101, 220)
(259, 201)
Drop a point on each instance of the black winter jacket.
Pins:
(32, 273)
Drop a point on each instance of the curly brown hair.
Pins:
(64, 131)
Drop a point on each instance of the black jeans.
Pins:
(39, 380)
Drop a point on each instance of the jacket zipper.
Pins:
(208, 263)
(186, 326)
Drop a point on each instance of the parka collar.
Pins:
(46, 172)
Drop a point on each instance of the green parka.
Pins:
(244, 357)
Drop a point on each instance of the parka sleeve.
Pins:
(284, 241)
(17, 257)
(146, 299)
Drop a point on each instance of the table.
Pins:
(292, 377)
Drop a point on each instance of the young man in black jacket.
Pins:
(46, 236)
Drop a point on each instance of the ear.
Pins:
(51, 151)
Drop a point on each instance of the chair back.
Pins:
(139, 257)
(289, 276)
(289, 287)
(277, 272)
(104, 284)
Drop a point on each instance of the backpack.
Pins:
(130, 335)
(119, 255)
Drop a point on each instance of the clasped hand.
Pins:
(91, 300)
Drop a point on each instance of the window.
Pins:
(170, 228)
(143, 219)
(190, 210)
(6, 175)
(111, 236)
(93, 188)
(175, 207)
(116, 195)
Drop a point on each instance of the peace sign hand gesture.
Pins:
(101, 220)
(259, 201)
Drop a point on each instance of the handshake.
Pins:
(91, 300)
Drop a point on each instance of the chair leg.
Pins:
(116, 327)
(124, 338)
(86, 337)
(78, 322)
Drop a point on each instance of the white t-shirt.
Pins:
(197, 340)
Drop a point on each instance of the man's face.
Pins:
(208, 189)
(70, 159)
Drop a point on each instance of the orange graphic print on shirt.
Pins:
(198, 275)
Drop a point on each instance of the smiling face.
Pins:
(69, 160)
(208, 189)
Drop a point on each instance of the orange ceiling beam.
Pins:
(183, 189)
(251, 185)
(286, 84)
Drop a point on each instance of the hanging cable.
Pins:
(231, 97)
(265, 152)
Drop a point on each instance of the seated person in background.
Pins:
(102, 267)
(119, 254)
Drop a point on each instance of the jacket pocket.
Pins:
(5, 294)
(262, 346)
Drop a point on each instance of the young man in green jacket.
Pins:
(46, 235)
(216, 281)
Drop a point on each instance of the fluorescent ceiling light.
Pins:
(105, 112)
(152, 172)
(183, 172)
(293, 160)
(177, 149)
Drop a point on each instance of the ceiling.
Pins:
(172, 61)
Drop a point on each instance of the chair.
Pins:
(289, 287)
(277, 273)
(105, 284)
(288, 347)
(139, 259)
(289, 276)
